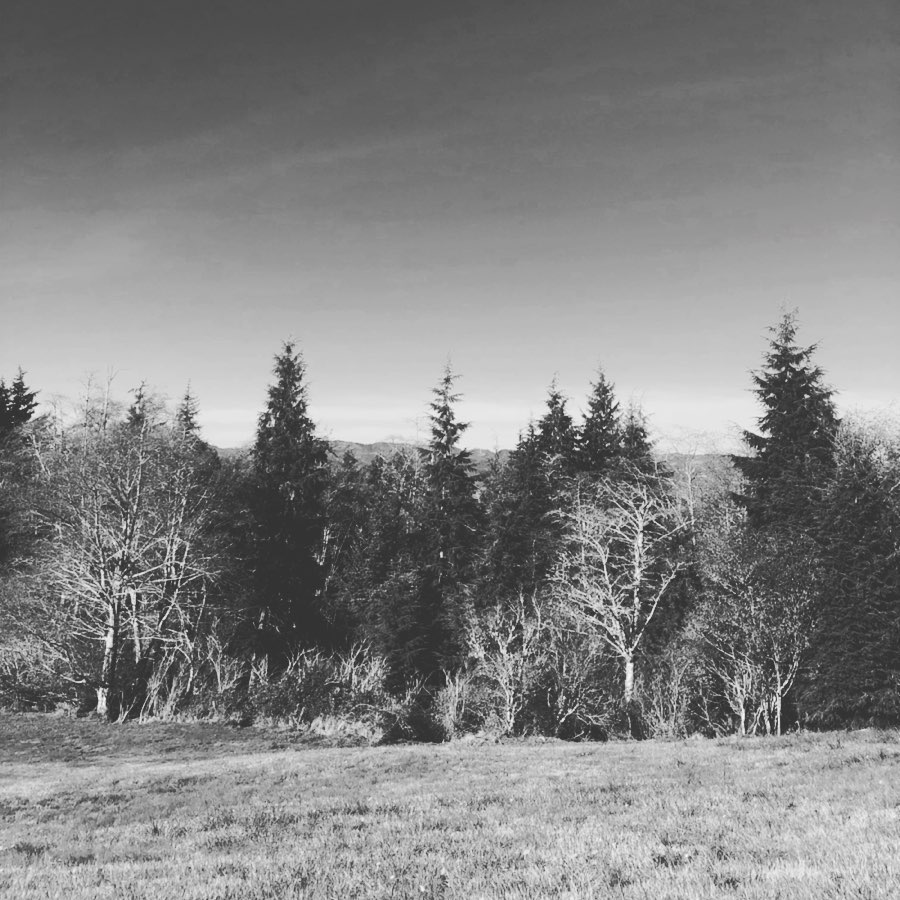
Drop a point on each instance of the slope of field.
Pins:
(94, 811)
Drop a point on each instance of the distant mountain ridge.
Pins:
(365, 453)
(481, 458)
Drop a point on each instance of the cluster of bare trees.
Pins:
(126, 563)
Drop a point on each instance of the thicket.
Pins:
(581, 586)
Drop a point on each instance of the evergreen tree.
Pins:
(451, 488)
(289, 476)
(637, 451)
(347, 573)
(17, 404)
(393, 493)
(451, 534)
(186, 415)
(794, 453)
(138, 413)
(187, 426)
(522, 534)
(556, 436)
(600, 438)
(855, 674)
(384, 574)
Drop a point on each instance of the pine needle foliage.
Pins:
(452, 529)
(289, 476)
(556, 436)
(17, 404)
(793, 454)
(600, 437)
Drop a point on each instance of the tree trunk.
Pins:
(629, 678)
(107, 687)
(136, 625)
(779, 692)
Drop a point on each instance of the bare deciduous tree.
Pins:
(126, 565)
(619, 563)
(757, 619)
(508, 644)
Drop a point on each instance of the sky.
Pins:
(527, 189)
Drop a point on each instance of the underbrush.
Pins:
(506, 688)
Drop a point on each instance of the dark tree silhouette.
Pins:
(793, 454)
(287, 512)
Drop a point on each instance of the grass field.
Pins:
(96, 811)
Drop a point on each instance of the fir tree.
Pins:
(186, 415)
(137, 412)
(522, 533)
(17, 404)
(556, 437)
(289, 473)
(452, 530)
(384, 577)
(637, 451)
(348, 507)
(186, 427)
(794, 453)
(600, 438)
(451, 488)
(855, 673)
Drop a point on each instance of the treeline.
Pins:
(580, 587)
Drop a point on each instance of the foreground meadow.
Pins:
(96, 811)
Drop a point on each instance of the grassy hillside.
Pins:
(93, 811)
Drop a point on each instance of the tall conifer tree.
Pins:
(854, 677)
(186, 415)
(600, 438)
(452, 530)
(451, 487)
(17, 404)
(137, 416)
(522, 534)
(794, 453)
(289, 478)
(556, 437)
(637, 450)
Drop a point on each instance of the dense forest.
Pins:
(580, 586)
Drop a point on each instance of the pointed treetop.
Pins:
(17, 403)
(450, 487)
(22, 400)
(286, 441)
(600, 438)
(796, 401)
(798, 425)
(186, 414)
(636, 446)
(445, 428)
(137, 412)
(287, 404)
(556, 436)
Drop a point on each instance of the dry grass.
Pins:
(93, 811)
